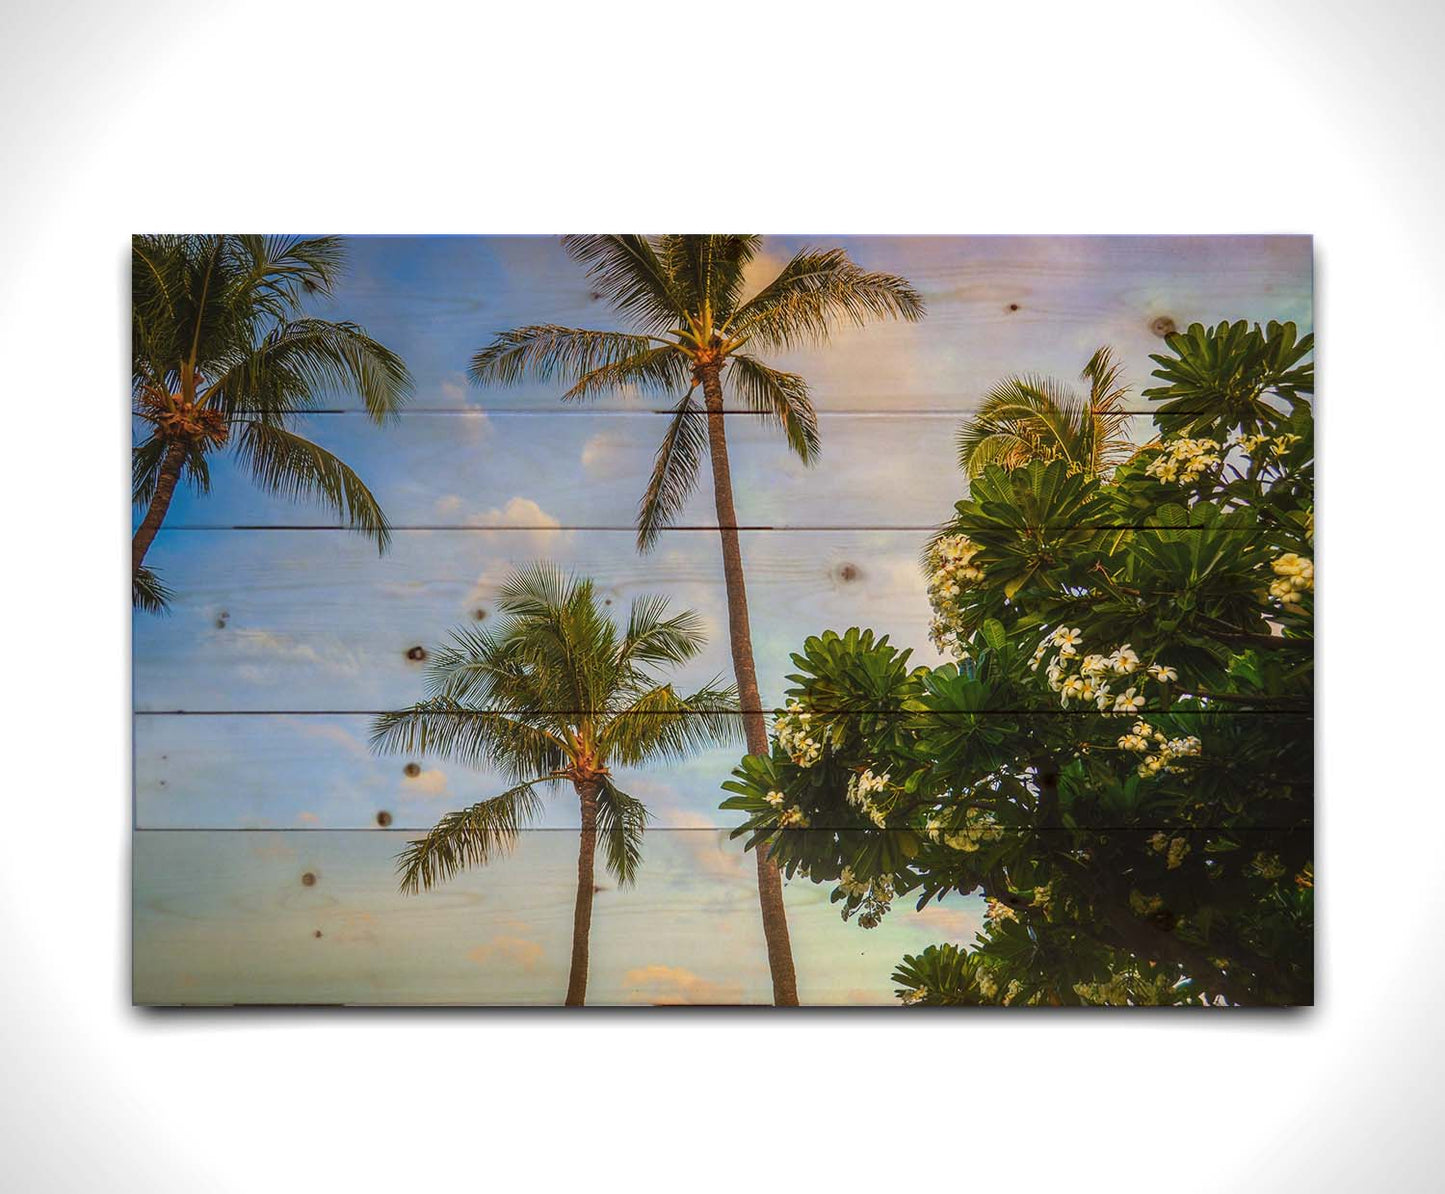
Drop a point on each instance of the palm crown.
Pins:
(685, 296)
(223, 356)
(555, 693)
(1035, 418)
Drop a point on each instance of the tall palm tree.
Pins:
(1035, 418)
(556, 694)
(224, 356)
(696, 328)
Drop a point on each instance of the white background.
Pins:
(1227, 117)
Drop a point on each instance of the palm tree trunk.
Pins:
(770, 880)
(145, 534)
(582, 917)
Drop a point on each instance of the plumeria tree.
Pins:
(1119, 757)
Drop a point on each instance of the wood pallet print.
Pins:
(891, 621)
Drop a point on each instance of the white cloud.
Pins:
(454, 389)
(267, 646)
(518, 512)
(604, 451)
(430, 784)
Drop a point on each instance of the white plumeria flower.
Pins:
(1064, 637)
(1128, 702)
(1162, 673)
(1125, 660)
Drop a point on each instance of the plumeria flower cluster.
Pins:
(793, 732)
(978, 829)
(869, 898)
(996, 911)
(788, 818)
(951, 570)
(1186, 460)
(1160, 751)
(1174, 849)
(1267, 445)
(1294, 577)
(1094, 682)
(861, 789)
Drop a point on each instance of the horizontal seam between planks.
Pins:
(728, 829)
(658, 411)
(1300, 711)
(632, 529)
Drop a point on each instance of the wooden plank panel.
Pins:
(996, 305)
(222, 918)
(545, 470)
(315, 771)
(315, 621)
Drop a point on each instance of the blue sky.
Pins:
(311, 623)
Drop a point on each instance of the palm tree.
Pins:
(223, 356)
(1035, 418)
(685, 295)
(555, 694)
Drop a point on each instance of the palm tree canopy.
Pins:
(686, 297)
(555, 693)
(1035, 418)
(223, 354)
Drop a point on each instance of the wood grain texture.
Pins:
(266, 830)
(998, 305)
(590, 470)
(315, 621)
(223, 918)
(309, 772)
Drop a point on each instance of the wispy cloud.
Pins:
(673, 984)
(521, 952)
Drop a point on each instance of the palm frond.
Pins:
(652, 637)
(674, 471)
(280, 271)
(560, 634)
(1028, 418)
(298, 363)
(146, 459)
(442, 727)
(1030, 411)
(707, 271)
(469, 837)
(815, 291)
(148, 593)
(546, 350)
(629, 274)
(783, 397)
(285, 463)
(660, 725)
(621, 822)
(658, 370)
